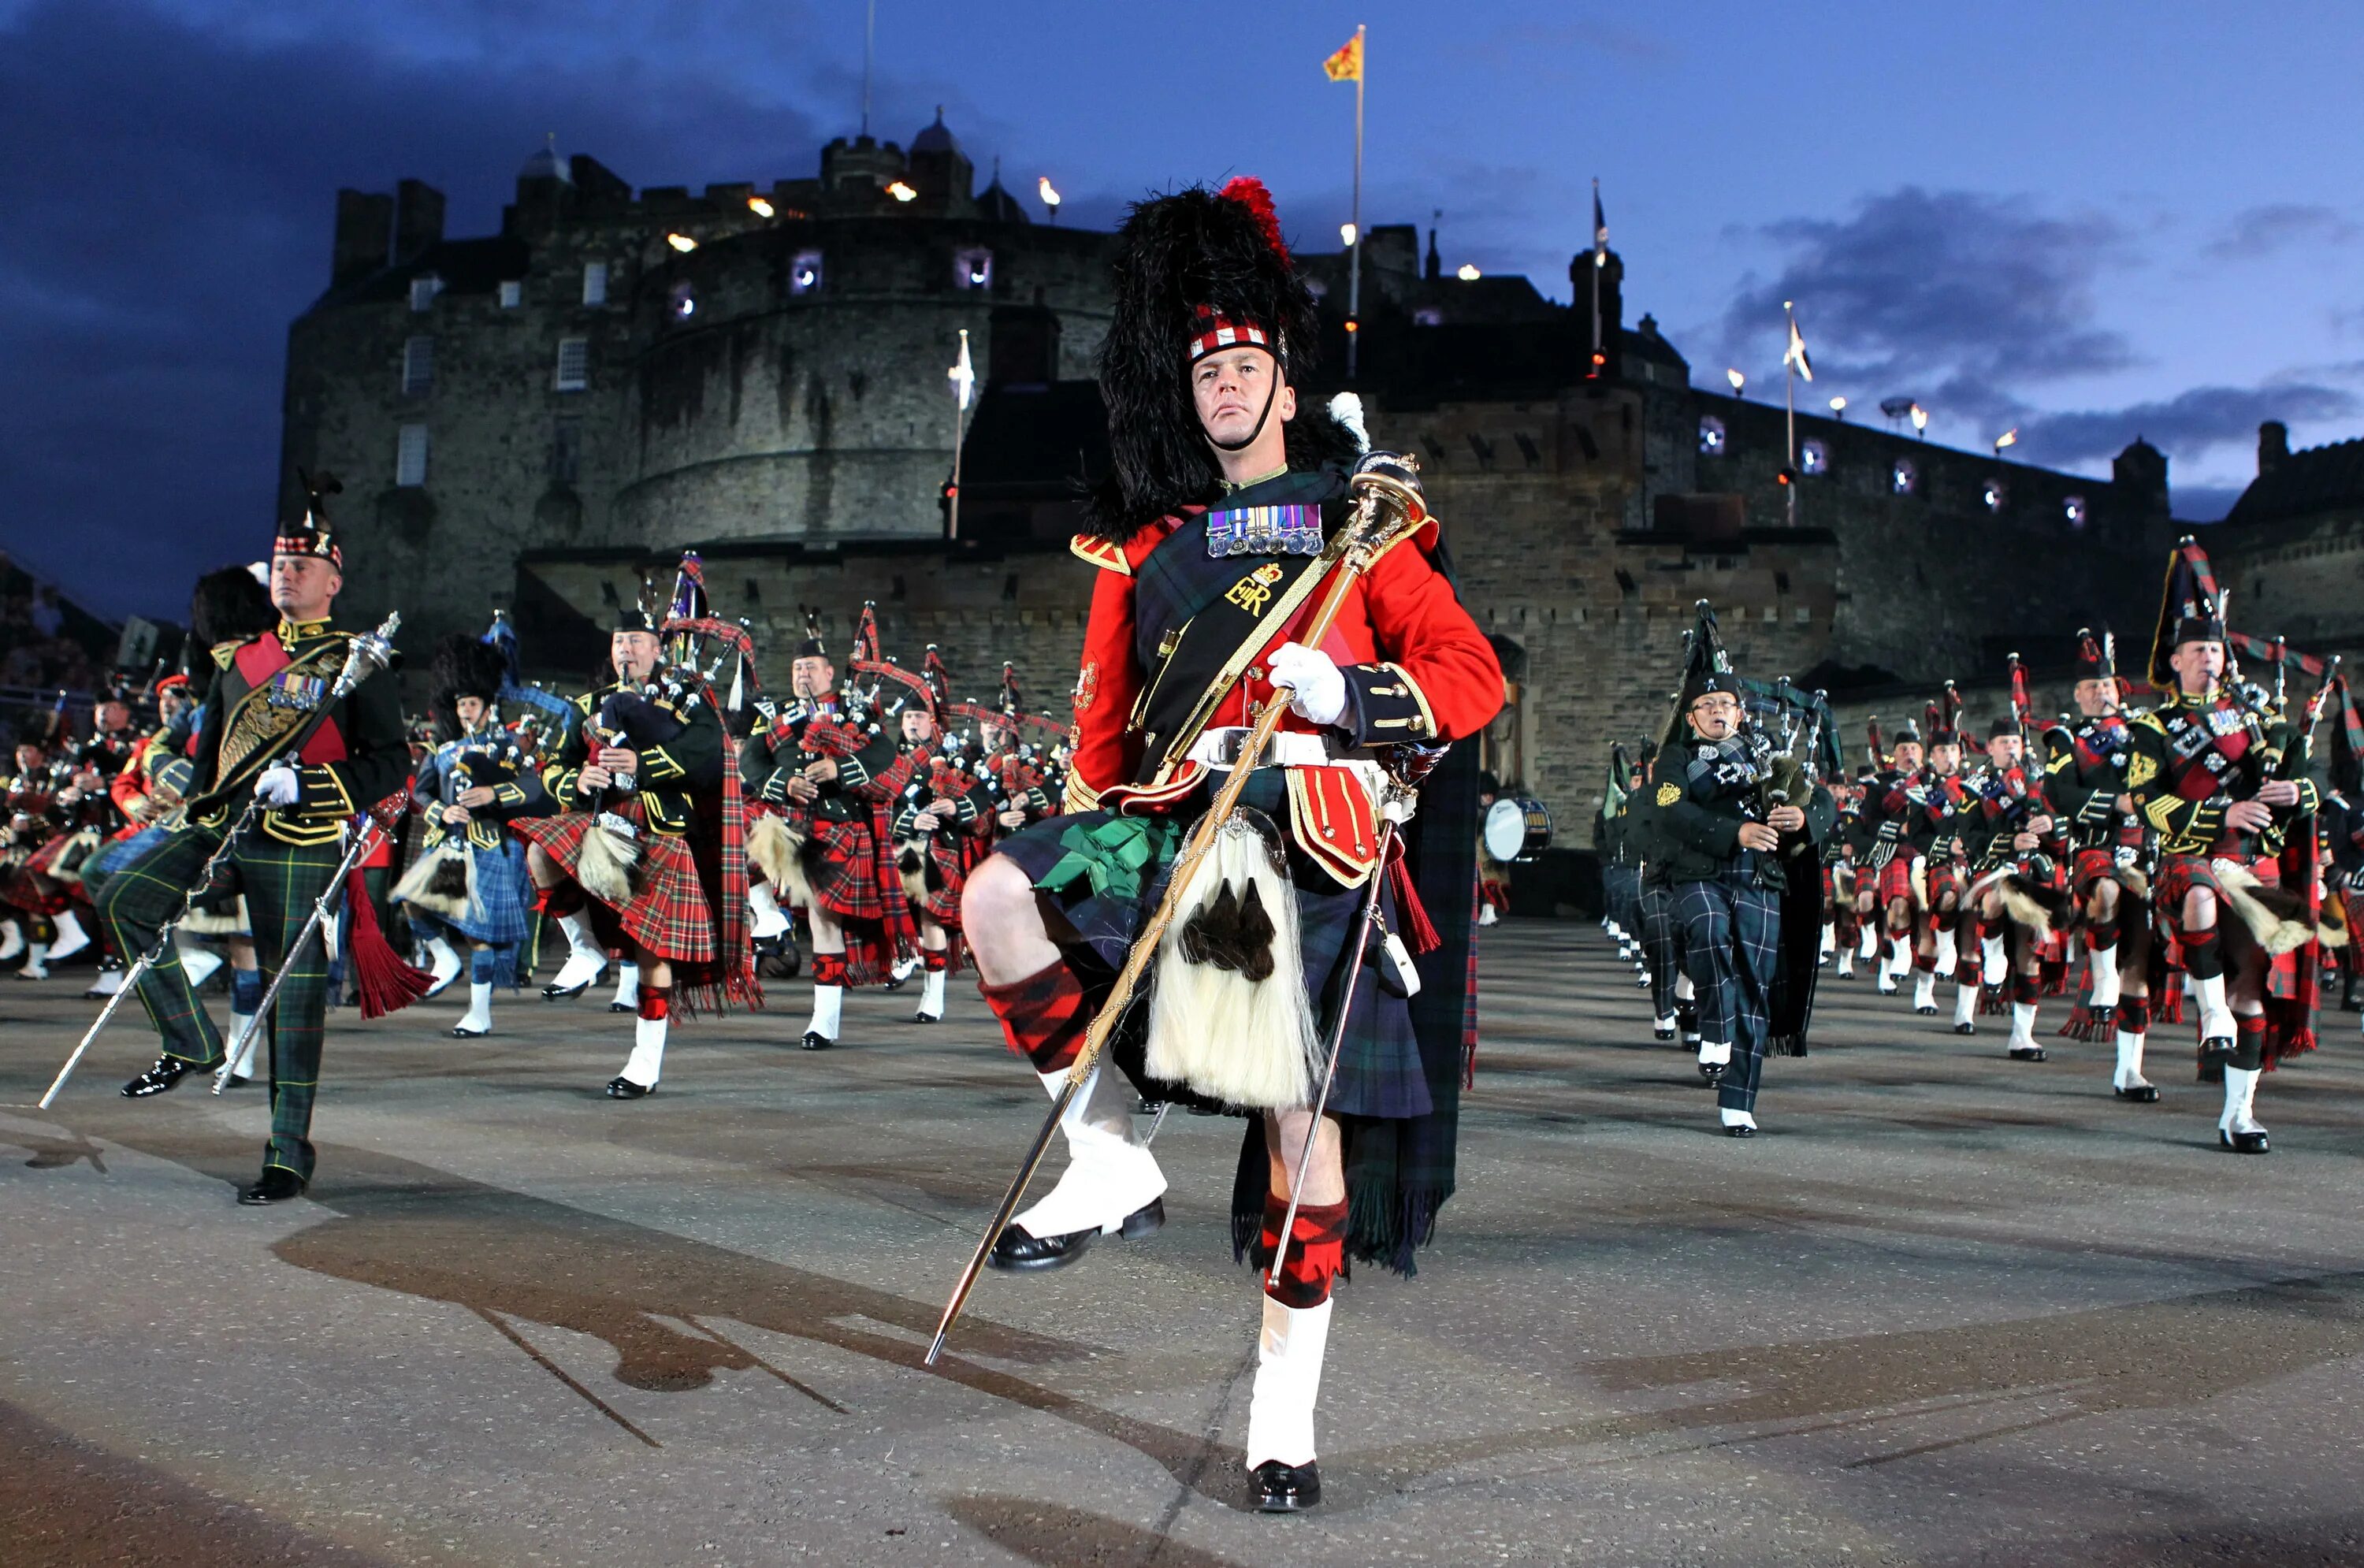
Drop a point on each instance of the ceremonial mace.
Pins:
(1387, 506)
(369, 654)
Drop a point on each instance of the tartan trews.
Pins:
(281, 881)
(138, 899)
(1732, 937)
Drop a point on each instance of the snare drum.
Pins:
(1518, 827)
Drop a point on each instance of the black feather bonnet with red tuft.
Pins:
(1184, 262)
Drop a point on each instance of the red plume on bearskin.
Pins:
(1249, 192)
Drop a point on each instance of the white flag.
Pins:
(963, 375)
(1795, 354)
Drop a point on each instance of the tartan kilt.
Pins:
(2090, 866)
(842, 863)
(668, 916)
(2179, 875)
(1896, 878)
(1945, 879)
(950, 857)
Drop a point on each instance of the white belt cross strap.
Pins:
(1218, 749)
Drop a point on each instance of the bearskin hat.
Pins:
(309, 532)
(228, 606)
(464, 667)
(1207, 269)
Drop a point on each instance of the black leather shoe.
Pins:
(276, 1185)
(459, 1032)
(2214, 1052)
(1017, 1251)
(1928, 1012)
(1740, 1129)
(1966, 1028)
(2028, 1053)
(621, 1088)
(167, 1072)
(1148, 1106)
(816, 1041)
(1711, 1072)
(2241, 1142)
(897, 981)
(927, 1018)
(1286, 1488)
(623, 1007)
(1662, 1031)
(557, 993)
(2141, 1095)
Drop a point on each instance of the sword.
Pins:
(1364, 927)
(363, 842)
(1387, 504)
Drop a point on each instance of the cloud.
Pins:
(2262, 231)
(2185, 427)
(2205, 503)
(1919, 289)
(169, 207)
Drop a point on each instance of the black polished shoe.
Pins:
(621, 1088)
(554, 992)
(895, 982)
(1711, 1072)
(1148, 1106)
(1966, 1028)
(2027, 1053)
(2141, 1094)
(623, 1007)
(2241, 1142)
(167, 1072)
(276, 1185)
(1286, 1488)
(926, 1017)
(1662, 1031)
(1017, 1251)
(1928, 1012)
(460, 1031)
(1740, 1129)
(816, 1041)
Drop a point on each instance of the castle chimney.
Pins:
(417, 220)
(364, 230)
(2273, 446)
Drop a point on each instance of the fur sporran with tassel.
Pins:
(605, 861)
(1230, 1015)
(439, 881)
(2275, 915)
(778, 850)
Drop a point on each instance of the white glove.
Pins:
(277, 785)
(1319, 690)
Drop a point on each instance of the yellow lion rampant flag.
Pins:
(1346, 65)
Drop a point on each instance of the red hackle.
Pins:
(1249, 192)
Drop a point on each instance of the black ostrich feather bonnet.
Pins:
(1197, 269)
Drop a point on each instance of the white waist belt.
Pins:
(1220, 749)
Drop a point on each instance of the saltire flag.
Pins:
(1346, 65)
(1795, 354)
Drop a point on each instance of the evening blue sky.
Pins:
(2090, 221)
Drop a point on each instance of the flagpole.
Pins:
(1355, 261)
(1788, 381)
(1600, 349)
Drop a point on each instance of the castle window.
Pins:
(567, 451)
(2073, 510)
(410, 457)
(512, 294)
(681, 303)
(574, 364)
(1994, 495)
(803, 273)
(423, 290)
(1903, 479)
(1712, 435)
(417, 366)
(973, 268)
(595, 283)
(1813, 457)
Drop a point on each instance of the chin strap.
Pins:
(1250, 439)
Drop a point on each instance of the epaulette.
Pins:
(1101, 553)
(223, 653)
(2149, 719)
